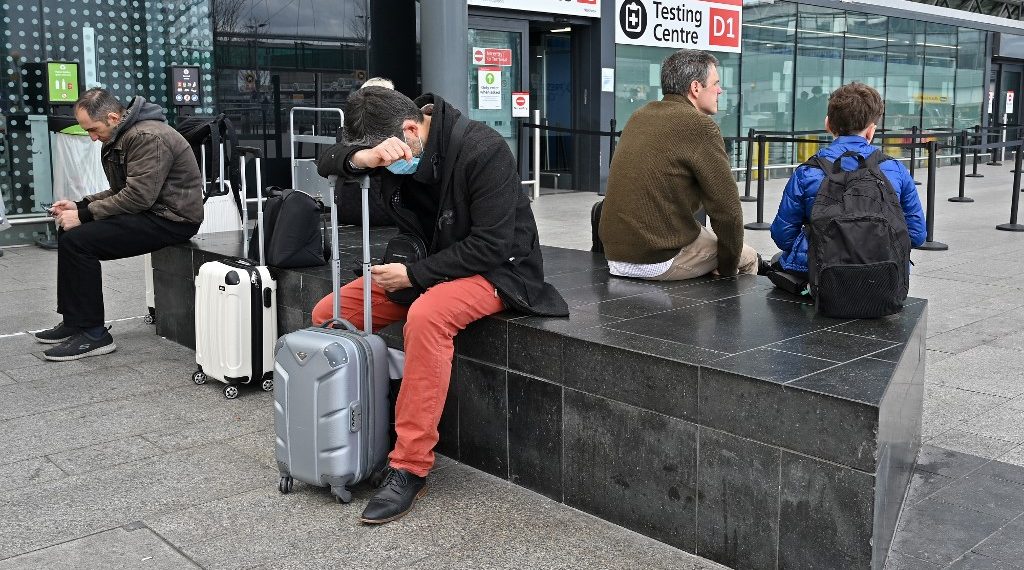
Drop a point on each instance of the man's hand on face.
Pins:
(68, 219)
(390, 276)
(61, 206)
(383, 154)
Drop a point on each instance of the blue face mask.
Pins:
(404, 167)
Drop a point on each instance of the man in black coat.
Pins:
(482, 256)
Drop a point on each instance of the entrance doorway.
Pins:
(550, 60)
(1005, 90)
(551, 79)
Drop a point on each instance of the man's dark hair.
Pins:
(97, 102)
(682, 68)
(373, 114)
(853, 107)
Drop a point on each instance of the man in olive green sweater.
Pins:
(669, 162)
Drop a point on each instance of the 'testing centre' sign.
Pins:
(713, 25)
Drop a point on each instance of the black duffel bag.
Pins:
(296, 230)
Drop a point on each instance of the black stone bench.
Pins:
(721, 416)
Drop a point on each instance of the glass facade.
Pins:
(930, 75)
(125, 47)
(273, 56)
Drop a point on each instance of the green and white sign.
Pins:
(62, 79)
(489, 88)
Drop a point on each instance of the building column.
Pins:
(444, 40)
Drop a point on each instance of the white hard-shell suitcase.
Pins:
(147, 271)
(236, 314)
(331, 392)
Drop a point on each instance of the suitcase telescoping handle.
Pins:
(245, 151)
(364, 184)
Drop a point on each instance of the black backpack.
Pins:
(205, 134)
(858, 254)
(296, 230)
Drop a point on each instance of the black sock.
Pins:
(95, 333)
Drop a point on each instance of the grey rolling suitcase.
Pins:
(331, 393)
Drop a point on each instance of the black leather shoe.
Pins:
(763, 267)
(395, 498)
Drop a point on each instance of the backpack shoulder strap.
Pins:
(454, 147)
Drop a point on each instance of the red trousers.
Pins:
(432, 322)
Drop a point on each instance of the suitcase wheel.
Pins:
(268, 385)
(199, 377)
(342, 494)
(231, 391)
(285, 486)
(149, 319)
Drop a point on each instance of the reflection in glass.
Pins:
(819, 63)
(940, 55)
(904, 69)
(970, 78)
(273, 55)
(769, 33)
(864, 58)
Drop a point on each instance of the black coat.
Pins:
(484, 225)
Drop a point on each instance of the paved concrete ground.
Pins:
(120, 462)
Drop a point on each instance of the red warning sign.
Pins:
(492, 56)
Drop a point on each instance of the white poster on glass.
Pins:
(488, 88)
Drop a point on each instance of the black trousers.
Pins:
(80, 250)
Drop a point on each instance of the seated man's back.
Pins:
(671, 161)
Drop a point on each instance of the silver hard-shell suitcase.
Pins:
(331, 392)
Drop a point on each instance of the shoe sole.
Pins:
(419, 496)
(51, 341)
(106, 349)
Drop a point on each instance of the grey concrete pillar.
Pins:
(444, 40)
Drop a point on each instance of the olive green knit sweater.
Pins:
(670, 160)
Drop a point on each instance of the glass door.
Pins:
(496, 71)
(1008, 98)
(551, 86)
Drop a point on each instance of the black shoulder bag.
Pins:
(408, 248)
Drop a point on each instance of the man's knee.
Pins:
(428, 317)
(75, 241)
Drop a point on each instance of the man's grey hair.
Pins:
(97, 102)
(373, 114)
(682, 68)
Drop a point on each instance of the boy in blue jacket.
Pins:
(853, 113)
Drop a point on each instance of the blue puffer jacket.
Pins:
(798, 199)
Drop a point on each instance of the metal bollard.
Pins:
(995, 161)
(913, 150)
(930, 244)
(963, 170)
(1013, 226)
(761, 172)
(974, 168)
(611, 142)
(746, 197)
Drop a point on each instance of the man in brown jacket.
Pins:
(155, 200)
(669, 163)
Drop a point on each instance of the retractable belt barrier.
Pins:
(537, 126)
